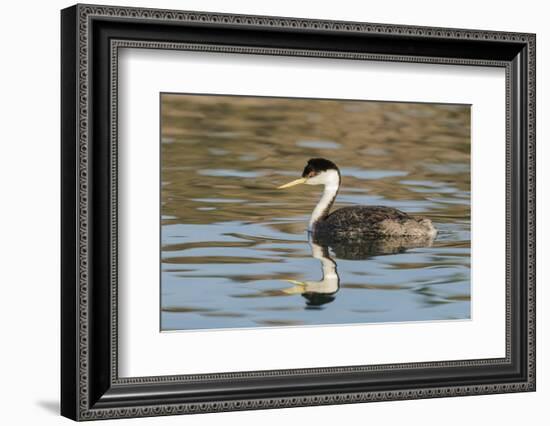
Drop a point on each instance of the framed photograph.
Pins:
(263, 212)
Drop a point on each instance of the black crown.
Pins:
(318, 165)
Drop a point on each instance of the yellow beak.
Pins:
(293, 183)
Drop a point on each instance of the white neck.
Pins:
(331, 180)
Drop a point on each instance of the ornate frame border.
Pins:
(85, 409)
(118, 44)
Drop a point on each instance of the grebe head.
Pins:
(318, 171)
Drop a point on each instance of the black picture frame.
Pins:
(90, 386)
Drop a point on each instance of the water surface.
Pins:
(234, 250)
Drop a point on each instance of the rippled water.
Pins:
(235, 251)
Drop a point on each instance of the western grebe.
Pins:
(354, 222)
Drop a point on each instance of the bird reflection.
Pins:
(318, 293)
(365, 248)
